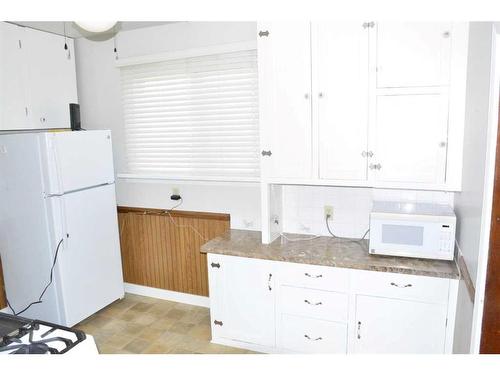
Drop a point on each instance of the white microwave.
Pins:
(417, 230)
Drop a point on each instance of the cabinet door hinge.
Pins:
(263, 33)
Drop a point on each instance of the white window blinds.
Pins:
(193, 117)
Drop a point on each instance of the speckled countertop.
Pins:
(325, 251)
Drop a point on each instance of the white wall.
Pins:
(469, 204)
(100, 100)
(303, 207)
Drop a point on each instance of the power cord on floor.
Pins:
(44, 289)
(327, 217)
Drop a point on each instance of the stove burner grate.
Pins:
(13, 343)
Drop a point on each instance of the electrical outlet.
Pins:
(328, 210)
(176, 191)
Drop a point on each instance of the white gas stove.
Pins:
(37, 337)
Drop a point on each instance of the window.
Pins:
(193, 117)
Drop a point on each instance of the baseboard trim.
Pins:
(168, 295)
(246, 346)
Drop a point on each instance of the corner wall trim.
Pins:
(168, 295)
(465, 275)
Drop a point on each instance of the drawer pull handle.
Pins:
(313, 304)
(313, 276)
(316, 339)
(269, 281)
(218, 323)
(215, 265)
(359, 330)
(401, 286)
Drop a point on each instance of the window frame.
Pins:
(180, 54)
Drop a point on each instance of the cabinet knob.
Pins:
(42, 119)
(306, 96)
(442, 144)
(320, 95)
(366, 154)
(266, 153)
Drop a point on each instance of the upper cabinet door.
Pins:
(409, 139)
(52, 78)
(413, 54)
(340, 71)
(13, 107)
(285, 99)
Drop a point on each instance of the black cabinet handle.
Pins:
(215, 265)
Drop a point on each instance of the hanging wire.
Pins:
(114, 41)
(66, 48)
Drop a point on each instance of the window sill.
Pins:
(188, 179)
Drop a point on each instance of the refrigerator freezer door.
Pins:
(77, 160)
(25, 245)
(89, 266)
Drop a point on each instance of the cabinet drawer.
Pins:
(316, 277)
(313, 303)
(305, 335)
(395, 285)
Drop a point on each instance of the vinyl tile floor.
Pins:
(143, 325)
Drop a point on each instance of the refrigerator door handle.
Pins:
(55, 185)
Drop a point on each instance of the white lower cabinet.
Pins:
(305, 335)
(385, 325)
(242, 299)
(273, 306)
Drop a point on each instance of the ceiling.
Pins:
(73, 31)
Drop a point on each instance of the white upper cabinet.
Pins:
(13, 108)
(412, 54)
(340, 68)
(284, 62)
(386, 110)
(52, 78)
(37, 79)
(409, 139)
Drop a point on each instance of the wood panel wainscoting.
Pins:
(162, 250)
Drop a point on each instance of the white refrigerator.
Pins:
(59, 186)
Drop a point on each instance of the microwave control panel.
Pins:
(447, 238)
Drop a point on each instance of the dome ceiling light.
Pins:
(96, 26)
